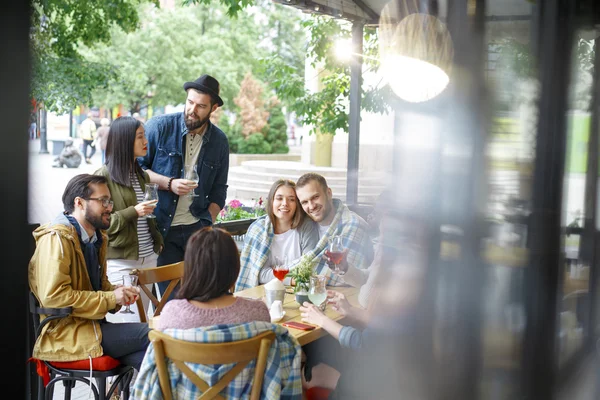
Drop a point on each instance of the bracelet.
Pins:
(169, 184)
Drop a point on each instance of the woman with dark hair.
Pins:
(133, 239)
(284, 233)
(211, 267)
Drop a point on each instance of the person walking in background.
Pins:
(133, 240)
(87, 132)
(102, 136)
(185, 141)
(33, 130)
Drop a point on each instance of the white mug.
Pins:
(276, 308)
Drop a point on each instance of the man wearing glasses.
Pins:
(68, 269)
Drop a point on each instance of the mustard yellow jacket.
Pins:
(58, 277)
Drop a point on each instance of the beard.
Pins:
(97, 220)
(193, 124)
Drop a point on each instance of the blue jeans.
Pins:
(86, 144)
(174, 248)
(127, 342)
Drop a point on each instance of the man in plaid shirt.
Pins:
(334, 218)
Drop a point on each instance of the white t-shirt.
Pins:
(323, 230)
(284, 244)
(183, 216)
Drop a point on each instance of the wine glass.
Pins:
(280, 267)
(129, 281)
(336, 253)
(317, 291)
(151, 194)
(192, 174)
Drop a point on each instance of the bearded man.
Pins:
(68, 269)
(176, 143)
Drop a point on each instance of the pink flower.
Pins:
(235, 203)
(222, 213)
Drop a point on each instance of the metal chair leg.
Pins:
(40, 389)
(101, 383)
(68, 384)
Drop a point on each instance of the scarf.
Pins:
(90, 254)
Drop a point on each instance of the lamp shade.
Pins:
(416, 53)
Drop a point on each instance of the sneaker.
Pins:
(87, 160)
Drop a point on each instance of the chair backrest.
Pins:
(241, 352)
(146, 276)
(50, 313)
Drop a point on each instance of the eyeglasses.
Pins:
(105, 202)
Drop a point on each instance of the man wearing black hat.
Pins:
(177, 143)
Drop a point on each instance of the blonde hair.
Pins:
(104, 122)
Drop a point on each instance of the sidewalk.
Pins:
(47, 184)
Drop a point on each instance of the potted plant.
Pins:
(301, 276)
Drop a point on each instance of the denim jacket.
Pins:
(166, 144)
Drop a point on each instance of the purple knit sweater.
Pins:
(181, 314)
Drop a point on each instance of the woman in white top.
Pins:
(284, 233)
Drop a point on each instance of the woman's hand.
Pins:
(339, 302)
(311, 314)
(145, 207)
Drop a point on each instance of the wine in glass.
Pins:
(192, 174)
(280, 268)
(129, 281)
(151, 194)
(317, 291)
(335, 253)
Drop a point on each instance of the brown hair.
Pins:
(79, 186)
(298, 215)
(311, 176)
(211, 265)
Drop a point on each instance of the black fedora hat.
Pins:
(206, 84)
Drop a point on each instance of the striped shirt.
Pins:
(143, 230)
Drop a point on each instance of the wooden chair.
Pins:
(240, 352)
(147, 276)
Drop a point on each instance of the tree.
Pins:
(254, 144)
(158, 58)
(328, 108)
(62, 78)
(253, 115)
(276, 132)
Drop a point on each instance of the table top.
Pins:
(292, 312)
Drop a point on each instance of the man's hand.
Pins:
(213, 209)
(182, 186)
(343, 265)
(126, 295)
(145, 207)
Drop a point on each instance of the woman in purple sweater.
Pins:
(211, 267)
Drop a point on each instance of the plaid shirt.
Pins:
(282, 373)
(350, 226)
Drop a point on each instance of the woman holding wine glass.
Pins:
(277, 239)
(133, 238)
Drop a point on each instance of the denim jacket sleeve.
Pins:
(218, 192)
